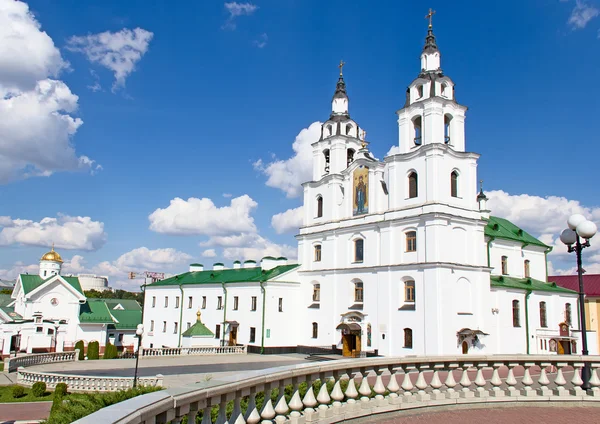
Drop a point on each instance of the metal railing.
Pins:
(12, 364)
(84, 383)
(205, 350)
(336, 391)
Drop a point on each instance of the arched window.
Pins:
(317, 253)
(409, 291)
(413, 185)
(319, 207)
(408, 340)
(349, 156)
(516, 311)
(358, 291)
(443, 89)
(447, 121)
(316, 293)
(315, 330)
(348, 129)
(526, 268)
(359, 245)
(330, 129)
(417, 126)
(568, 316)
(454, 184)
(326, 155)
(543, 318)
(504, 265)
(419, 91)
(411, 241)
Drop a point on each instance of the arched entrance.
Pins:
(465, 347)
(351, 339)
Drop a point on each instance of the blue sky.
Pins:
(185, 106)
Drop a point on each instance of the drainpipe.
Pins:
(527, 318)
(224, 312)
(264, 296)
(180, 313)
(488, 249)
(546, 258)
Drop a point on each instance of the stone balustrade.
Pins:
(202, 350)
(335, 391)
(12, 364)
(84, 383)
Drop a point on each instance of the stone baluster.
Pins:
(365, 388)
(236, 413)
(295, 404)
(511, 381)
(206, 417)
(323, 398)
(576, 381)
(309, 401)
(465, 382)
(560, 381)
(527, 381)
(543, 381)
(480, 382)
(407, 385)
(436, 383)
(252, 416)
(393, 387)
(281, 407)
(268, 412)
(496, 381)
(379, 388)
(421, 384)
(594, 381)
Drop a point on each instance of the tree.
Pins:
(110, 351)
(117, 294)
(93, 350)
(79, 345)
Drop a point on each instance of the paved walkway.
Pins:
(24, 411)
(512, 415)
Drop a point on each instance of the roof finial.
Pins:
(198, 315)
(341, 66)
(481, 185)
(430, 17)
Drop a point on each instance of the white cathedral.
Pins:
(396, 257)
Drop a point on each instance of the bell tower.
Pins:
(431, 113)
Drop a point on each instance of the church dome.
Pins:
(52, 256)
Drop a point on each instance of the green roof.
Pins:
(127, 304)
(504, 229)
(11, 312)
(196, 265)
(198, 330)
(5, 299)
(31, 282)
(94, 311)
(126, 319)
(239, 275)
(502, 281)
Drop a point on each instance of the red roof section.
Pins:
(591, 283)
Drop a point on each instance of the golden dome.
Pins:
(52, 256)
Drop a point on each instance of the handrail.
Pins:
(12, 364)
(201, 350)
(361, 387)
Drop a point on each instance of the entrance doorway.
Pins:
(465, 348)
(564, 347)
(233, 336)
(351, 345)
(15, 343)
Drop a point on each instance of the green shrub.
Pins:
(18, 391)
(110, 351)
(79, 345)
(38, 389)
(93, 350)
(60, 389)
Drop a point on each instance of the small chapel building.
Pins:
(399, 256)
(49, 312)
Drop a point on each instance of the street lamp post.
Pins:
(139, 331)
(580, 228)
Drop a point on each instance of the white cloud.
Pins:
(18, 268)
(36, 122)
(237, 9)
(261, 42)
(288, 175)
(227, 195)
(545, 218)
(393, 150)
(66, 232)
(209, 253)
(290, 220)
(582, 13)
(201, 216)
(250, 246)
(117, 51)
(75, 265)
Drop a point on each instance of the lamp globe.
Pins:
(574, 220)
(587, 229)
(568, 236)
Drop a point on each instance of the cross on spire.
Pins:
(430, 17)
(341, 66)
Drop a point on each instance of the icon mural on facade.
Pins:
(361, 190)
(369, 335)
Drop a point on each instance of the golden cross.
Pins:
(430, 16)
(341, 66)
(481, 185)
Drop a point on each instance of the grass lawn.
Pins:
(6, 396)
